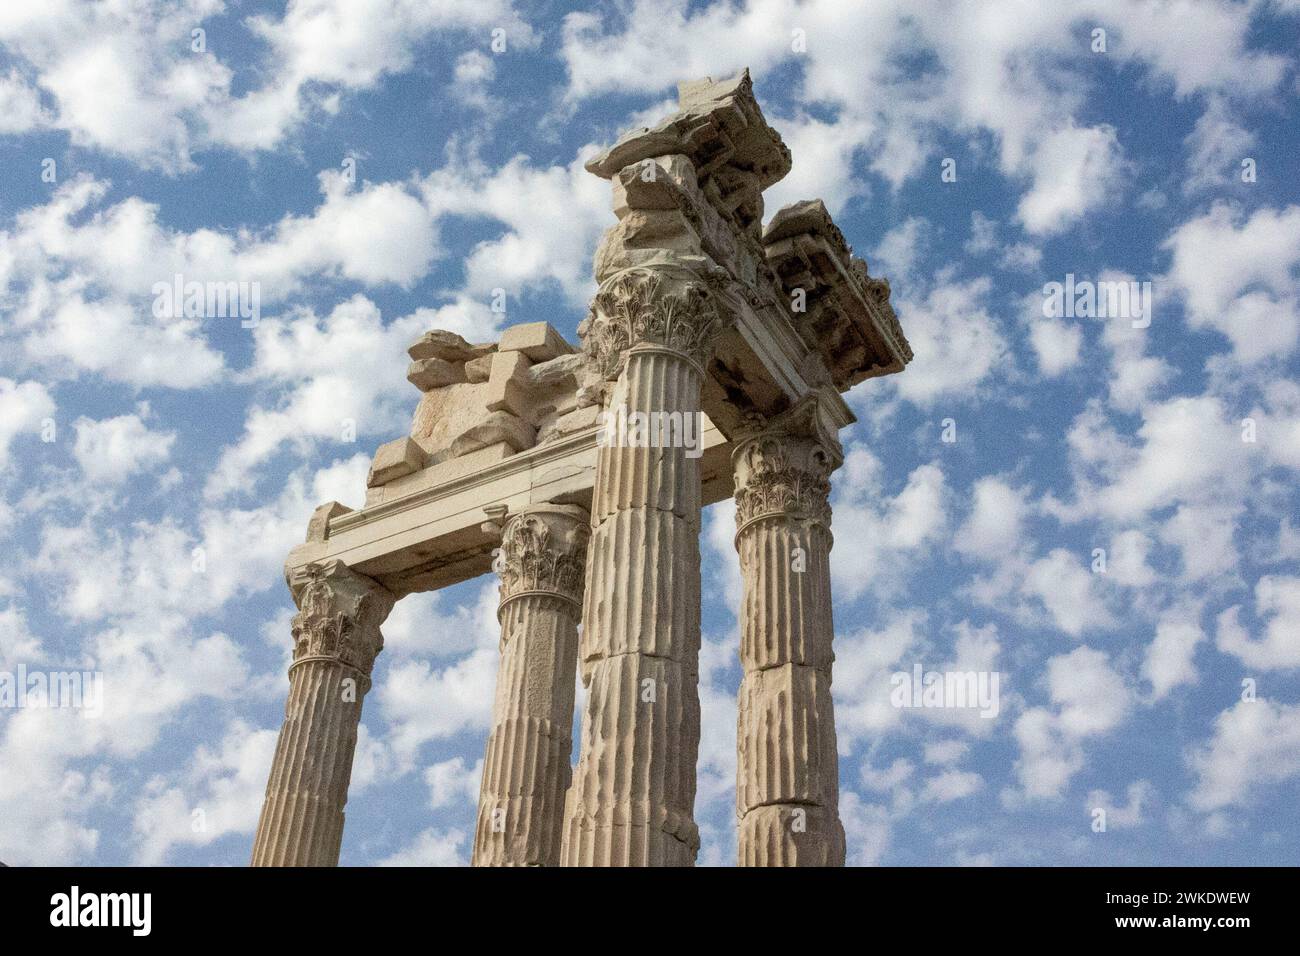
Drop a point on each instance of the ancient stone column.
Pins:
(526, 768)
(335, 640)
(633, 793)
(787, 774)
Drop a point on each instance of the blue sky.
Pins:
(1120, 690)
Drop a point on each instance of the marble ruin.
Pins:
(702, 315)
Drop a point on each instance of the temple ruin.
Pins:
(702, 315)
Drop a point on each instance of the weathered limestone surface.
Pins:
(700, 311)
(633, 793)
(787, 778)
(526, 768)
(335, 640)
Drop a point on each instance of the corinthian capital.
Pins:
(658, 306)
(780, 473)
(339, 614)
(544, 548)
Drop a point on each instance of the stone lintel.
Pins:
(433, 537)
(762, 365)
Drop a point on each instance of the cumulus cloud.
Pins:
(876, 534)
(1236, 275)
(1072, 171)
(135, 81)
(958, 343)
(112, 449)
(1170, 657)
(1140, 794)
(23, 407)
(1277, 608)
(1255, 744)
(1088, 699)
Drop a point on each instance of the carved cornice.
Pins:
(545, 549)
(778, 473)
(339, 614)
(650, 306)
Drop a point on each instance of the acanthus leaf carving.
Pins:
(339, 615)
(779, 474)
(544, 550)
(651, 306)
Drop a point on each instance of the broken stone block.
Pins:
(395, 460)
(559, 372)
(448, 346)
(478, 369)
(430, 373)
(496, 427)
(537, 340)
(507, 386)
(318, 526)
(664, 182)
(716, 123)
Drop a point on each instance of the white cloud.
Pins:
(549, 238)
(332, 378)
(1170, 657)
(219, 793)
(897, 253)
(875, 535)
(23, 407)
(1236, 275)
(1277, 608)
(463, 690)
(451, 782)
(951, 785)
(432, 848)
(1009, 69)
(124, 78)
(1140, 794)
(1216, 147)
(1189, 450)
(20, 105)
(113, 449)
(1073, 170)
(945, 751)
(1089, 698)
(867, 829)
(996, 523)
(957, 342)
(1069, 592)
(1255, 744)
(1056, 345)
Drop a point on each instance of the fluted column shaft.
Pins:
(336, 638)
(526, 769)
(633, 793)
(787, 776)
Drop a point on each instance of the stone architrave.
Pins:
(336, 638)
(526, 768)
(787, 777)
